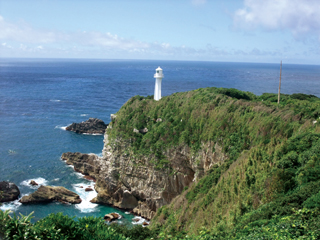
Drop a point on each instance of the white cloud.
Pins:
(24, 33)
(22, 40)
(299, 16)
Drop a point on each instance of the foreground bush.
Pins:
(56, 226)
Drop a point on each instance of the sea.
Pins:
(40, 97)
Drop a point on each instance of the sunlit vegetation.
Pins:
(267, 188)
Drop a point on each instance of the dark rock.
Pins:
(49, 194)
(88, 189)
(83, 163)
(33, 183)
(116, 215)
(128, 200)
(89, 177)
(91, 126)
(145, 224)
(9, 190)
(111, 217)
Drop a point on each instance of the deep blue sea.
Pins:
(39, 97)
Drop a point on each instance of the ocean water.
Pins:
(40, 97)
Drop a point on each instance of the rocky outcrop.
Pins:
(8, 191)
(33, 183)
(49, 194)
(127, 182)
(87, 164)
(111, 217)
(91, 126)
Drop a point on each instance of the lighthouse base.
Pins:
(157, 89)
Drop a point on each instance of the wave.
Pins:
(94, 134)
(12, 152)
(40, 181)
(14, 205)
(85, 206)
(84, 115)
(79, 175)
(55, 100)
(139, 220)
(61, 127)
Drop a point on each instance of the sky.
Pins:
(265, 31)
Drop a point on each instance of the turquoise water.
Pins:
(39, 97)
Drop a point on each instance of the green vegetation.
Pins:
(56, 226)
(267, 188)
(234, 119)
(272, 164)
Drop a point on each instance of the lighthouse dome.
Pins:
(159, 73)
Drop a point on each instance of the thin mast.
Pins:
(279, 82)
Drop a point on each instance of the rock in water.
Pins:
(49, 194)
(111, 217)
(9, 191)
(33, 183)
(91, 126)
(88, 189)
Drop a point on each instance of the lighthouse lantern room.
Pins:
(157, 89)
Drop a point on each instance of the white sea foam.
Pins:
(12, 152)
(139, 220)
(78, 175)
(85, 206)
(55, 100)
(94, 134)
(40, 181)
(84, 115)
(10, 205)
(61, 127)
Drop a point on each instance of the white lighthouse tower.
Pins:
(157, 89)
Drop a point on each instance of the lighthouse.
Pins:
(157, 88)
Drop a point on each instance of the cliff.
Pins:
(126, 182)
(196, 150)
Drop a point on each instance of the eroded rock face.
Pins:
(91, 126)
(127, 182)
(49, 194)
(8, 191)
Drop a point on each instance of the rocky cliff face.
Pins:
(127, 182)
